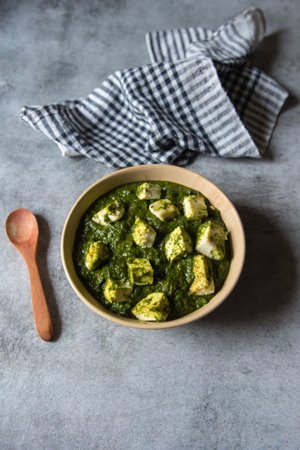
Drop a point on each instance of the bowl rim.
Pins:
(133, 323)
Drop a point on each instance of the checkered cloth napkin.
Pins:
(200, 94)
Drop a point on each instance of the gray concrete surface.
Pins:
(230, 381)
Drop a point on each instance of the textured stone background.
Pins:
(229, 381)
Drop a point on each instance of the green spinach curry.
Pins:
(152, 250)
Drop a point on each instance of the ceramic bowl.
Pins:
(164, 173)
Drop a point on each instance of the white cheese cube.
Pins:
(143, 234)
(148, 191)
(178, 244)
(116, 292)
(164, 209)
(153, 308)
(194, 207)
(97, 253)
(110, 213)
(203, 283)
(140, 271)
(211, 240)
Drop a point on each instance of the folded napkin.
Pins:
(200, 94)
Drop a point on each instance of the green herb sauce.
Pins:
(172, 278)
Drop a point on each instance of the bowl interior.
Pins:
(163, 173)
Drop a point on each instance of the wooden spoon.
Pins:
(22, 231)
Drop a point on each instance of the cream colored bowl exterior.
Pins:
(164, 173)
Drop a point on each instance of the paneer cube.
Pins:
(164, 209)
(153, 308)
(148, 191)
(143, 234)
(203, 283)
(178, 244)
(116, 292)
(140, 271)
(211, 240)
(111, 213)
(194, 207)
(97, 253)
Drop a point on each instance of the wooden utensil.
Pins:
(22, 231)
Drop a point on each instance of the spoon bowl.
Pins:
(22, 228)
(22, 231)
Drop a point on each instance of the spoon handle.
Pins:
(40, 309)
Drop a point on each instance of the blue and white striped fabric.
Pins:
(200, 94)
